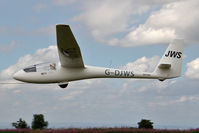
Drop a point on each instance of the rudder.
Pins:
(170, 65)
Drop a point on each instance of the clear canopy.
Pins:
(44, 67)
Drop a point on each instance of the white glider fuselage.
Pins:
(72, 67)
(61, 74)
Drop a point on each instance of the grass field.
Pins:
(98, 130)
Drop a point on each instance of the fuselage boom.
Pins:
(62, 74)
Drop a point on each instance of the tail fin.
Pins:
(170, 65)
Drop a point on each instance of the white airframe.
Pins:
(72, 67)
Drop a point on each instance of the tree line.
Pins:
(38, 122)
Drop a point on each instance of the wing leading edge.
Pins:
(68, 49)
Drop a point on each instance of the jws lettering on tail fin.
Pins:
(174, 54)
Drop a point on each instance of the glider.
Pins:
(72, 67)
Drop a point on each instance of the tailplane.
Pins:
(170, 65)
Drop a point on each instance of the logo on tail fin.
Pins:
(174, 54)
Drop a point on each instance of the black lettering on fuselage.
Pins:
(126, 73)
(174, 54)
(107, 72)
(119, 73)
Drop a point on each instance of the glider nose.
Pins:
(18, 75)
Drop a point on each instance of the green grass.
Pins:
(98, 130)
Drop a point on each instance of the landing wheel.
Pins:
(63, 85)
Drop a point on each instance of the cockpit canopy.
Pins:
(44, 67)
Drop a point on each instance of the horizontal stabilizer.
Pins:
(164, 66)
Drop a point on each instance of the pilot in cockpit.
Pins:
(53, 66)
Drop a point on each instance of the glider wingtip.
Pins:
(62, 25)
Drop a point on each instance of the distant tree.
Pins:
(38, 122)
(20, 124)
(145, 124)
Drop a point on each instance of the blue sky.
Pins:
(111, 33)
